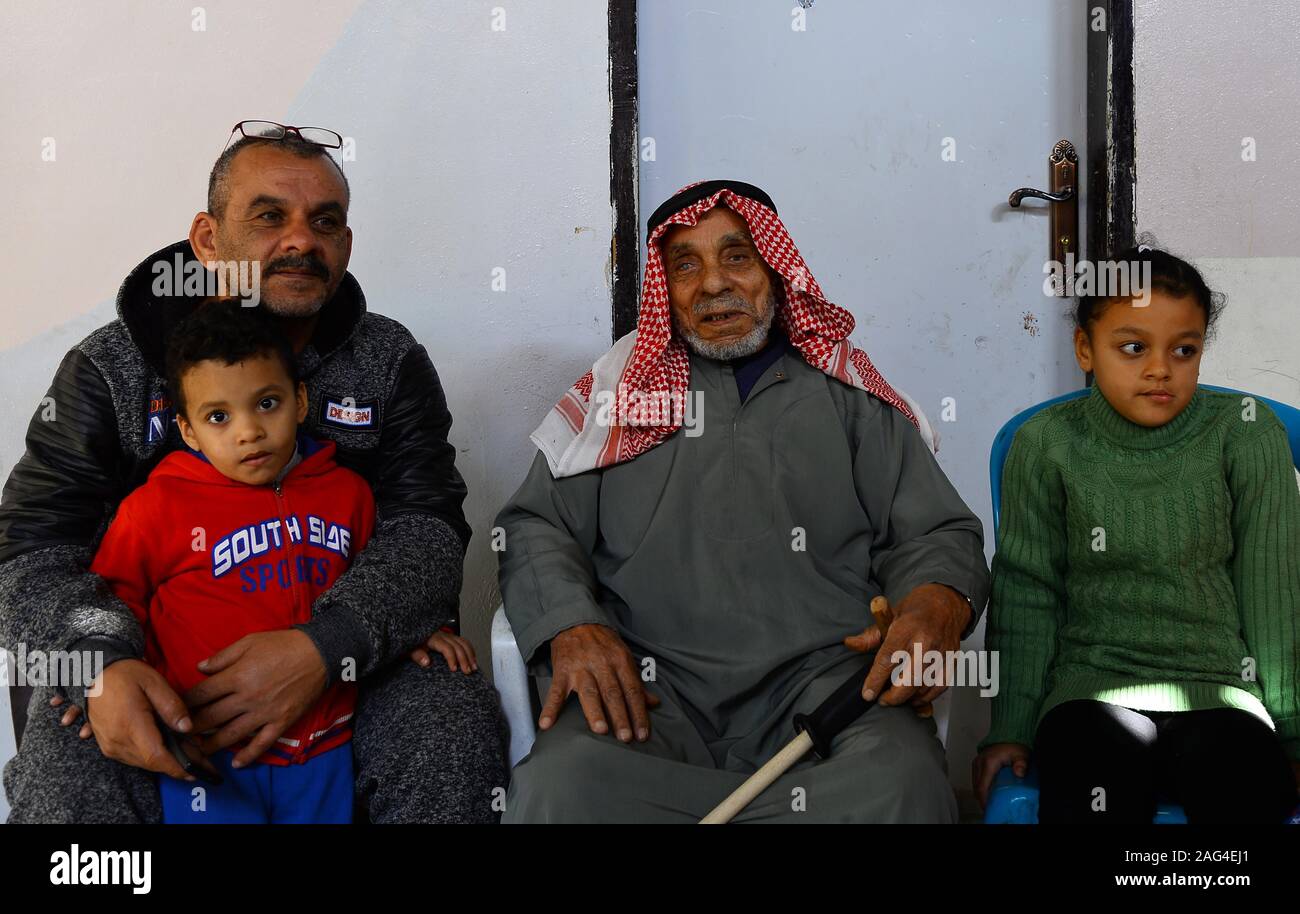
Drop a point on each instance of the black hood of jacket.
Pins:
(149, 317)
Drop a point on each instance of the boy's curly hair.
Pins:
(227, 331)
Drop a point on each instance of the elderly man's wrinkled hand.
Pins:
(930, 618)
(593, 661)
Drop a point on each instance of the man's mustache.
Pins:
(299, 263)
(723, 304)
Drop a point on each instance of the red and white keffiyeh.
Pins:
(648, 369)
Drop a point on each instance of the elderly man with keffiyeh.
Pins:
(698, 586)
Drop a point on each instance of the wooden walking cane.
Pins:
(816, 730)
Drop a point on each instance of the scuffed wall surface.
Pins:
(1217, 150)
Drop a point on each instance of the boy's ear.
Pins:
(301, 396)
(187, 432)
(1082, 350)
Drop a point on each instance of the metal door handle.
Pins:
(1063, 205)
(1021, 193)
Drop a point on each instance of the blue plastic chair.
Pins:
(1013, 800)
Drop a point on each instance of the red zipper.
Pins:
(298, 592)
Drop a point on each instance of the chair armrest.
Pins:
(942, 713)
(510, 677)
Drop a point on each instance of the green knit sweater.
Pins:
(1153, 568)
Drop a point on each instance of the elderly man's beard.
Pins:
(748, 344)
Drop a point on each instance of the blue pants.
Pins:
(318, 791)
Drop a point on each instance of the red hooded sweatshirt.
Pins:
(203, 560)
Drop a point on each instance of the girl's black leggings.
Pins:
(1102, 763)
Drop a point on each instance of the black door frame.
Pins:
(1112, 170)
(624, 155)
(1109, 156)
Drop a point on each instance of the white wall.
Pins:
(475, 149)
(1209, 75)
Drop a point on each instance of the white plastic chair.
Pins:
(510, 677)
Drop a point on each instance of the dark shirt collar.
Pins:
(748, 369)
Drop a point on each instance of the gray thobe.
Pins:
(733, 563)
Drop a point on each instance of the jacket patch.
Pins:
(345, 412)
(160, 417)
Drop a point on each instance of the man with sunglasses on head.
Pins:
(428, 736)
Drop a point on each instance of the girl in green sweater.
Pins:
(1146, 586)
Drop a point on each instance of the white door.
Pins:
(889, 136)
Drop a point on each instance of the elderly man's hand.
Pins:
(593, 661)
(932, 616)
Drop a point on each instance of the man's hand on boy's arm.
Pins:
(256, 689)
